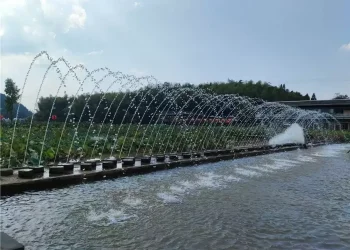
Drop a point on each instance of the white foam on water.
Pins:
(304, 158)
(176, 192)
(167, 197)
(132, 201)
(320, 155)
(275, 166)
(209, 180)
(247, 172)
(261, 169)
(177, 189)
(187, 185)
(112, 216)
(327, 153)
(231, 178)
(285, 161)
(330, 151)
(293, 134)
(285, 164)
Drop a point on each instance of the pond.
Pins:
(292, 200)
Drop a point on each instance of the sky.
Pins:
(303, 44)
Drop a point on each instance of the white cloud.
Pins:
(44, 16)
(2, 31)
(95, 52)
(77, 18)
(137, 4)
(47, 8)
(9, 7)
(52, 34)
(34, 31)
(345, 47)
(26, 29)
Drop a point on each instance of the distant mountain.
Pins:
(23, 111)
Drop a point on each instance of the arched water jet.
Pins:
(168, 96)
(246, 117)
(211, 108)
(53, 64)
(116, 76)
(91, 117)
(205, 140)
(199, 111)
(111, 121)
(172, 125)
(265, 107)
(246, 105)
(161, 122)
(132, 119)
(21, 95)
(138, 126)
(199, 114)
(237, 121)
(52, 107)
(116, 136)
(271, 117)
(90, 74)
(114, 116)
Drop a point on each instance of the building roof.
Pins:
(318, 103)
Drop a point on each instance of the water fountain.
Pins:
(140, 117)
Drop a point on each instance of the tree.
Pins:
(118, 103)
(313, 97)
(12, 96)
(340, 97)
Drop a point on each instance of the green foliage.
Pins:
(12, 96)
(341, 97)
(262, 90)
(131, 140)
(23, 112)
(338, 136)
(125, 107)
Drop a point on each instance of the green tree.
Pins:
(126, 103)
(12, 96)
(340, 97)
(313, 97)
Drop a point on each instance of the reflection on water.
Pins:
(293, 200)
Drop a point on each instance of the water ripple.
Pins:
(292, 200)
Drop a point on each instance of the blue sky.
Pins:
(303, 44)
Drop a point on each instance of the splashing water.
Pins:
(123, 115)
(293, 134)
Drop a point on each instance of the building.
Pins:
(339, 108)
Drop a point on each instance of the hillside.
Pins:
(23, 111)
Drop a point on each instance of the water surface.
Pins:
(292, 200)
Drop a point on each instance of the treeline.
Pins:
(258, 89)
(149, 104)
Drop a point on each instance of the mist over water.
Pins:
(293, 134)
(283, 201)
